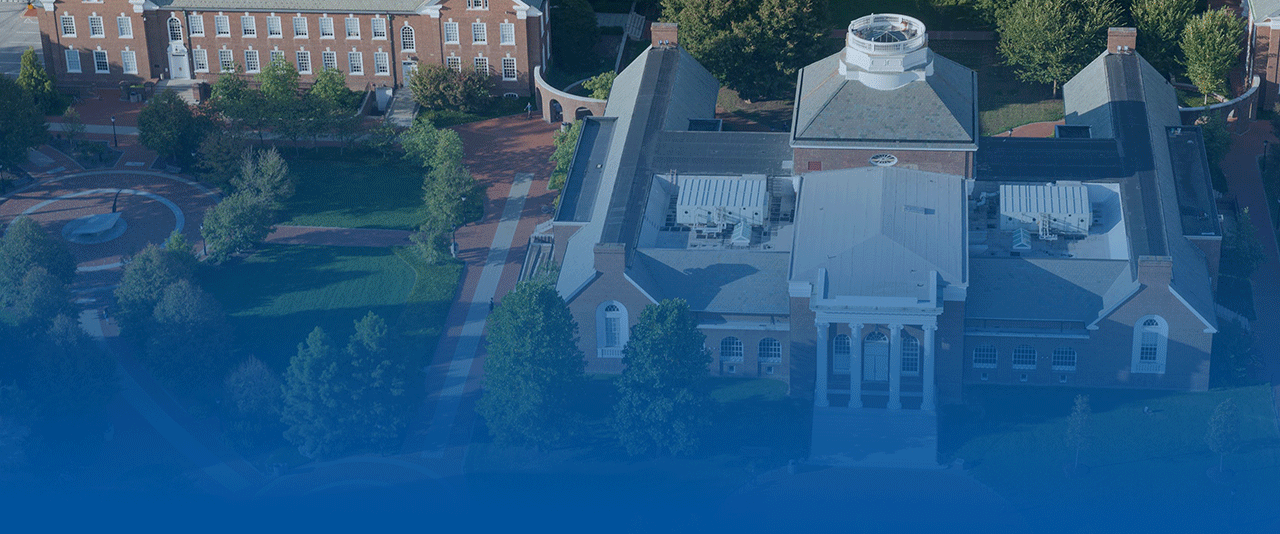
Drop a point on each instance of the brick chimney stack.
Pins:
(1122, 40)
(663, 34)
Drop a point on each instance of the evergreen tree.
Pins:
(1078, 428)
(38, 83)
(1211, 44)
(1160, 24)
(265, 175)
(1223, 436)
(664, 405)
(22, 124)
(314, 397)
(533, 367)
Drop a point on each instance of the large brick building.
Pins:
(375, 42)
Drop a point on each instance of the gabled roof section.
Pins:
(1261, 10)
(718, 281)
(1073, 290)
(939, 112)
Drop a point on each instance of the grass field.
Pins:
(1148, 468)
(355, 194)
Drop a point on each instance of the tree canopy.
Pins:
(1049, 41)
(1160, 24)
(438, 87)
(145, 278)
(69, 373)
(600, 84)
(189, 336)
(1223, 435)
(22, 124)
(1211, 44)
(38, 83)
(565, 141)
(170, 127)
(574, 34)
(26, 246)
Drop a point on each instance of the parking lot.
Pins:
(16, 34)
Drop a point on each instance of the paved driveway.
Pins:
(16, 34)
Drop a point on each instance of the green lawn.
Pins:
(1148, 468)
(355, 194)
(275, 297)
(1004, 101)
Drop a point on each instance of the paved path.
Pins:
(341, 237)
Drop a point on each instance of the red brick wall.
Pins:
(1265, 64)
(959, 163)
(111, 42)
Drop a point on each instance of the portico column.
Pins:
(927, 402)
(855, 367)
(895, 367)
(820, 389)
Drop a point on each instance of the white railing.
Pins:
(609, 352)
(909, 24)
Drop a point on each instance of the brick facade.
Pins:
(957, 162)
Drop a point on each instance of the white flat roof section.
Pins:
(747, 198)
(1051, 199)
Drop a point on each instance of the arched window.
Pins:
(1064, 359)
(407, 43)
(175, 29)
(770, 351)
(841, 349)
(985, 356)
(611, 329)
(1150, 344)
(1024, 357)
(731, 349)
(875, 357)
(910, 355)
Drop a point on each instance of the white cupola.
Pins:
(886, 52)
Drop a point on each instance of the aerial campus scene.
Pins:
(640, 265)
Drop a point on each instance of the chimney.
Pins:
(1122, 40)
(663, 34)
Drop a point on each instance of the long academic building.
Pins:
(376, 42)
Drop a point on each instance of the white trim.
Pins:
(1208, 328)
(640, 289)
(977, 333)
(745, 326)
(882, 147)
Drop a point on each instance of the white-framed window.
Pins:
(129, 61)
(274, 29)
(299, 27)
(175, 29)
(985, 356)
(407, 42)
(73, 59)
(329, 60)
(222, 25)
(200, 57)
(1064, 359)
(1150, 344)
(477, 4)
(611, 329)
(454, 63)
(482, 65)
(381, 64)
(731, 350)
(124, 26)
(770, 351)
(277, 55)
(251, 61)
(841, 353)
(508, 68)
(248, 26)
(326, 27)
(353, 28)
(910, 355)
(101, 65)
(507, 33)
(479, 35)
(96, 29)
(1024, 357)
(68, 25)
(378, 28)
(195, 23)
(450, 32)
(355, 63)
(304, 61)
(226, 62)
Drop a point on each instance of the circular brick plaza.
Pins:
(151, 205)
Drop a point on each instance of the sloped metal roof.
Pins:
(720, 281)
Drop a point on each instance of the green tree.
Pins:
(145, 278)
(1160, 24)
(242, 107)
(40, 297)
(188, 337)
(331, 89)
(600, 84)
(419, 143)
(1223, 435)
(532, 369)
(1078, 428)
(236, 224)
(574, 34)
(170, 127)
(278, 82)
(22, 125)
(73, 127)
(38, 83)
(565, 141)
(69, 373)
(664, 405)
(1233, 359)
(429, 85)
(437, 87)
(25, 246)
(255, 398)
(265, 175)
(220, 158)
(1242, 252)
(314, 397)
(1049, 41)
(1211, 45)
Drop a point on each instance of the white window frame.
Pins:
(129, 61)
(910, 355)
(252, 61)
(841, 353)
(222, 26)
(985, 356)
(612, 330)
(381, 64)
(303, 58)
(1150, 345)
(479, 33)
(200, 58)
(1021, 355)
(769, 350)
(68, 25)
(124, 27)
(355, 63)
(101, 58)
(481, 65)
(329, 60)
(326, 28)
(1065, 359)
(97, 29)
(450, 30)
(507, 33)
(226, 60)
(70, 54)
(195, 25)
(453, 63)
(351, 26)
(378, 28)
(275, 30)
(477, 4)
(731, 350)
(248, 26)
(300, 23)
(408, 39)
(509, 63)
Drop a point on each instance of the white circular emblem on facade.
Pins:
(884, 160)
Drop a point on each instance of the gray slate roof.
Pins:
(940, 112)
(723, 153)
(879, 231)
(1064, 289)
(1263, 9)
(719, 281)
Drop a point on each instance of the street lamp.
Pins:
(113, 131)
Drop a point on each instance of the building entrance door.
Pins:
(875, 358)
(408, 68)
(178, 69)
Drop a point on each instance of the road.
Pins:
(17, 33)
